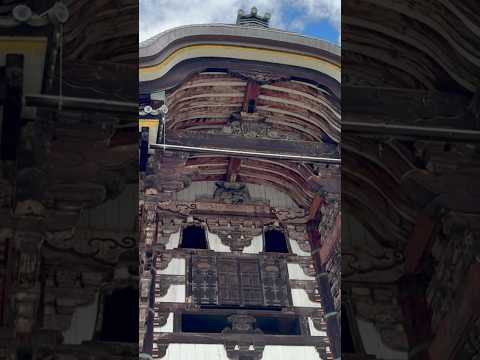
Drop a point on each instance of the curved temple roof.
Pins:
(161, 53)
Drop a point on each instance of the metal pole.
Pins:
(412, 131)
(81, 103)
(233, 152)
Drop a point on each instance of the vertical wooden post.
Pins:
(12, 107)
(331, 315)
(144, 149)
(417, 315)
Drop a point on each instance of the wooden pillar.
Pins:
(331, 315)
(412, 288)
(12, 109)
(416, 314)
(251, 95)
(143, 158)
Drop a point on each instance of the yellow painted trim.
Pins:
(147, 123)
(23, 45)
(242, 53)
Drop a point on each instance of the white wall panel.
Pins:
(195, 352)
(173, 241)
(255, 247)
(175, 267)
(300, 298)
(215, 243)
(119, 214)
(206, 189)
(290, 353)
(82, 325)
(313, 329)
(373, 343)
(175, 293)
(217, 352)
(295, 272)
(296, 248)
(168, 327)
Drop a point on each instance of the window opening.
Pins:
(193, 237)
(275, 241)
(115, 304)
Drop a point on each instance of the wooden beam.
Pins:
(406, 104)
(251, 94)
(83, 104)
(316, 207)
(407, 113)
(197, 338)
(233, 169)
(242, 144)
(206, 207)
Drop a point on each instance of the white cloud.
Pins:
(159, 15)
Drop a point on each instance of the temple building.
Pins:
(240, 217)
(410, 169)
(68, 179)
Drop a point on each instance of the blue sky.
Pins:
(316, 18)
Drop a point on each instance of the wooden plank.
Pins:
(197, 338)
(233, 169)
(411, 106)
(408, 113)
(283, 147)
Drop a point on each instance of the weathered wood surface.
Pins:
(406, 104)
(284, 147)
(196, 338)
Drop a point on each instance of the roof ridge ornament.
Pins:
(23, 15)
(253, 19)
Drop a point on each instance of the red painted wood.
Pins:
(463, 313)
(328, 245)
(418, 242)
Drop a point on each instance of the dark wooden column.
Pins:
(12, 107)
(417, 315)
(331, 315)
(412, 287)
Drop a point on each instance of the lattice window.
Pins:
(204, 279)
(236, 281)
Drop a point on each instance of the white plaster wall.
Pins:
(195, 190)
(168, 327)
(290, 353)
(313, 329)
(173, 241)
(215, 243)
(119, 214)
(255, 247)
(195, 352)
(275, 197)
(296, 248)
(175, 293)
(217, 352)
(301, 299)
(206, 189)
(295, 272)
(373, 343)
(82, 326)
(175, 267)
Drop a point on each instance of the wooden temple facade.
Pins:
(239, 194)
(68, 179)
(410, 165)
